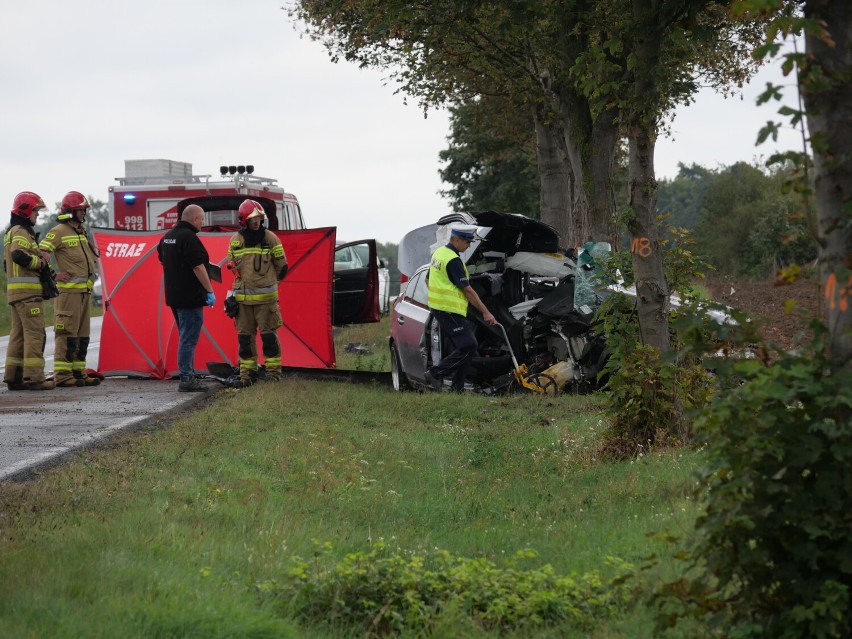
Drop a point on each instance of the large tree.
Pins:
(583, 68)
(826, 82)
(655, 51)
(490, 162)
(521, 52)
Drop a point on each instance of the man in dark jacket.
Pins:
(188, 288)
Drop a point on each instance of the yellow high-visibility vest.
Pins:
(443, 294)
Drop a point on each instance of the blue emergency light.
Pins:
(129, 198)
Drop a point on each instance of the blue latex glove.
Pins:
(211, 299)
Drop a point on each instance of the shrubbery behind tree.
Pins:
(744, 223)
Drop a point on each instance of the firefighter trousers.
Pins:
(25, 354)
(267, 319)
(72, 315)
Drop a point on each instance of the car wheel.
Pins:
(400, 380)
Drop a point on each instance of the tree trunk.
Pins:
(556, 181)
(590, 149)
(829, 112)
(651, 288)
(574, 134)
(601, 161)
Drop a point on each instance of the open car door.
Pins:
(356, 283)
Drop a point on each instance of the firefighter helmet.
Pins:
(250, 209)
(27, 203)
(72, 202)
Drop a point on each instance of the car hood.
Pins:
(507, 233)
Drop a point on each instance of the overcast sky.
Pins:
(91, 83)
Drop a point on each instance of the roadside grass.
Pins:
(363, 347)
(167, 531)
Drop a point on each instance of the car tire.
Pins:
(399, 379)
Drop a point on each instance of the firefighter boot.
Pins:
(45, 384)
(16, 383)
(71, 382)
(273, 374)
(81, 376)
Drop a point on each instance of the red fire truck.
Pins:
(147, 197)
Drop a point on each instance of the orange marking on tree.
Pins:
(641, 246)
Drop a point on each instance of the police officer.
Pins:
(77, 263)
(257, 257)
(450, 293)
(188, 289)
(24, 263)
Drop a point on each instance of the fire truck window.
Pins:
(287, 217)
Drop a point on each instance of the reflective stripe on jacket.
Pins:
(257, 268)
(443, 294)
(21, 282)
(74, 256)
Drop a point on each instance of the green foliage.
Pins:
(748, 225)
(648, 394)
(165, 531)
(771, 554)
(747, 221)
(384, 592)
(683, 197)
(98, 215)
(490, 163)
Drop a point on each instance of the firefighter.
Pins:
(259, 264)
(24, 264)
(76, 261)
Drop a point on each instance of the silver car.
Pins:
(525, 280)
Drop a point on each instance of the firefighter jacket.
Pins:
(443, 294)
(22, 261)
(74, 255)
(258, 268)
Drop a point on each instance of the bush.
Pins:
(772, 553)
(384, 592)
(650, 394)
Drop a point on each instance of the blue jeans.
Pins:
(189, 322)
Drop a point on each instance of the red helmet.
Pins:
(26, 202)
(73, 201)
(250, 209)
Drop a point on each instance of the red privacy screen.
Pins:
(139, 336)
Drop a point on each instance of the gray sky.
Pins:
(89, 84)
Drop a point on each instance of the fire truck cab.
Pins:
(147, 197)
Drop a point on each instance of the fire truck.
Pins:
(153, 193)
(147, 197)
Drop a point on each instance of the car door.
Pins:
(356, 284)
(411, 314)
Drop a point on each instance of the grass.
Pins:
(165, 532)
(363, 347)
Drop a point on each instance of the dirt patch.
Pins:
(768, 303)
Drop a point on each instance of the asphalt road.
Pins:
(38, 429)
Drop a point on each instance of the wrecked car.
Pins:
(542, 300)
